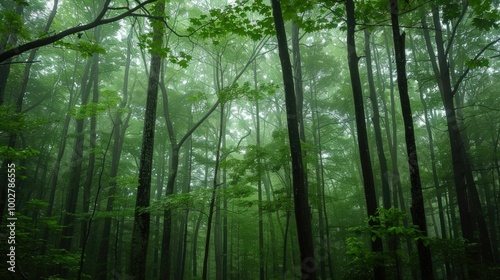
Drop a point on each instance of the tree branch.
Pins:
(54, 38)
(459, 81)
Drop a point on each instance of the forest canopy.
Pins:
(249, 139)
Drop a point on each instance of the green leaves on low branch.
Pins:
(314, 15)
(387, 223)
(477, 63)
(13, 122)
(12, 23)
(13, 154)
(250, 19)
(181, 58)
(86, 48)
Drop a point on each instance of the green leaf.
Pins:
(477, 63)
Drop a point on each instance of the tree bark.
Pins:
(140, 232)
(418, 209)
(469, 206)
(301, 205)
(364, 152)
(386, 193)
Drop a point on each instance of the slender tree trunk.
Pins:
(469, 205)
(120, 127)
(364, 153)
(418, 209)
(302, 213)
(5, 40)
(259, 182)
(386, 193)
(325, 236)
(435, 178)
(214, 192)
(87, 186)
(140, 232)
(76, 167)
(173, 170)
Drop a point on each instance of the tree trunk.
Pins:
(214, 192)
(469, 205)
(140, 232)
(301, 204)
(76, 166)
(364, 153)
(418, 209)
(87, 186)
(119, 128)
(259, 182)
(386, 193)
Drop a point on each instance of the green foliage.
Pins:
(387, 225)
(92, 109)
(12, 23)
(362, 260)
(452, 11)
(28, 242)
(250, 19)
(238, 191)
(245, 90)
(486, 15)
(10, 121)
(178, 58)
(477, 63)
(86, 48)
(13, 154)
(22, 3)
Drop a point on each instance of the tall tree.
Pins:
(418, 209)
(386, 193)
(140, 232)
(308, 262)
(469, 206)
(77, 159)
(364, 152)
(120, 125)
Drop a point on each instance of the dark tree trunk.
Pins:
(301, 204)
(469, 206)
(87, 186)
(418, 209)
(364, 152)
(386, 193)
(214, 192)
(140, 232)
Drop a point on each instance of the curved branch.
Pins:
(54, 38)
(459, 81)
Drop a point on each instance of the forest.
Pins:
(249, 139)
